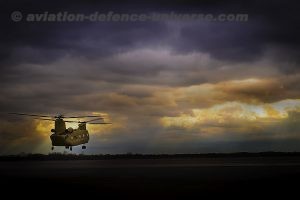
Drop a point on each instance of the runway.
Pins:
(153, 178)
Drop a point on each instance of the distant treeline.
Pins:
(61, 156)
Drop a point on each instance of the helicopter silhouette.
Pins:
(68, 137)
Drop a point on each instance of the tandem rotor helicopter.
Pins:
(68, 137)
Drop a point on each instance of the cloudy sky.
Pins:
(169, 86)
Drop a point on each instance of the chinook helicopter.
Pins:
(68, 137)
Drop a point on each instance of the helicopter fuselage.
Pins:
(76, 137)
(69, 137)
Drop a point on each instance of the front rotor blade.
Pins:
(31, 115)
(81, 116)
(44, 119)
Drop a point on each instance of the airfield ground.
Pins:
(153, 178)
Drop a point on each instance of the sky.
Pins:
(169, 86)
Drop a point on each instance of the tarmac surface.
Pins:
(163, 178)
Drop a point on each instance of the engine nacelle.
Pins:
(70, 130)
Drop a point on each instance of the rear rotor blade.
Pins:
(99, 123)
(94, 119)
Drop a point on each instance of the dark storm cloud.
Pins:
(45, 42)
(32, 43)
(228, 41)
(269, 25)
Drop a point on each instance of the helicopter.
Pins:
(68, 137)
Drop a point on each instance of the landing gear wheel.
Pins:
(70, 148)
(83, 147)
